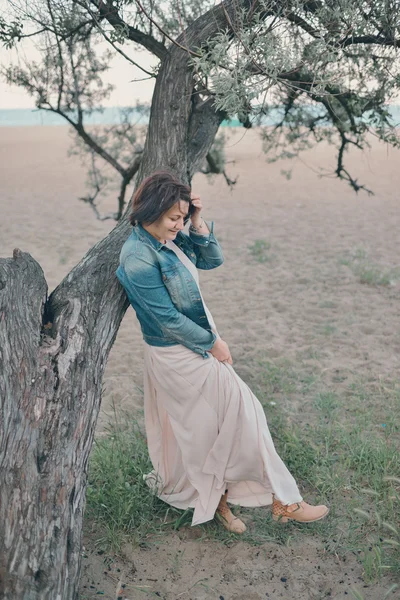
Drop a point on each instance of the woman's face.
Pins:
(168, 225)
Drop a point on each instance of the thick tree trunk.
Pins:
(182, 127)
(52, 360)
(53, 353)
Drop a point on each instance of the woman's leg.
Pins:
(228, 519)
(299, 511)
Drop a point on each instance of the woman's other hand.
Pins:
(220, 351)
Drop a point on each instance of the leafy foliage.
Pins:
(324, 72)
(10, 32)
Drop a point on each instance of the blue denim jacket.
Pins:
(163, 292)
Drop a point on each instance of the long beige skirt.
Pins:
(207, 432)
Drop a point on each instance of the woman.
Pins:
(207, 434)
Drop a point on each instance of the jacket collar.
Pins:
(145, 236)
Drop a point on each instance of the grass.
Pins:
(260, 251)
(368, 272)
(327, 304)
(327, 328)
(342, 447)
(118, 499)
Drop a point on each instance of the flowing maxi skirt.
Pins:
(207, 432)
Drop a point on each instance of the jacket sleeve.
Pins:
(207, 249)
(145, 285)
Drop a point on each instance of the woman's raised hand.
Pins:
(198, 206)
(220, 351)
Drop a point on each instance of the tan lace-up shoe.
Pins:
(299, 511)
(227, 518)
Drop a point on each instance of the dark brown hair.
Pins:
(157, 194)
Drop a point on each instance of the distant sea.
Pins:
(24, 117)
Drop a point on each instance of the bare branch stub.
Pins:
(212, 167)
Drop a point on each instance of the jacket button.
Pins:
(192, 254)
(164, 277)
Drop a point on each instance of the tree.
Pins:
(311, 60)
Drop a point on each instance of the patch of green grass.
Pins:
(367, 272)
(327, 304)
(260, 251)
(327, 328)
(281, 379)
(118, 499)
(374, 403)
(311, 353)
(327, 403)
(382, 524)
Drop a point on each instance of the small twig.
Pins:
(77, 91)
(60, 57)
(165, 33)
(28, 35)
(120, 591)
(183, 30)
(141, 79)
(342, 173)
(110, 13)
(109, 40)
(212, 168)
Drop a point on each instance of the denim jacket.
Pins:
(163, 292)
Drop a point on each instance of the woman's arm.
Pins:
(206, 247)
(145, 288)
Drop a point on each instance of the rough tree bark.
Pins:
(53, 352)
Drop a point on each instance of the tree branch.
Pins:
(164, 32)
(60, 57)
(342, 173)
(369, 39)
(81, 131)
(213, 168)
(297, 20)
(109, 40)
(110, 13)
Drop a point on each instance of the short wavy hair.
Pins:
(156, 195)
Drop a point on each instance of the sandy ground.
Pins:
(280, 308)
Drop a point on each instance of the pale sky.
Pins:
(120, 74)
